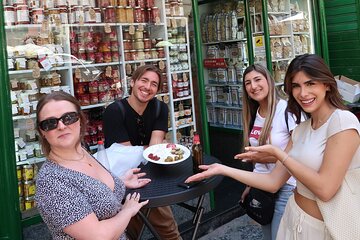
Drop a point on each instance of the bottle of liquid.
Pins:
(101, 155)
(197, 154)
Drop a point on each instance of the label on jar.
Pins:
(107, 28)
(131, 30)
(45, 63)
(141, 27)
(161, 65)
(108, 71)
(36, 72)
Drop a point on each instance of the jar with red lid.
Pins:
(155, 14)
(132, 3)
(97, 15)
(105, 46)
(93, 87)
(104, 3)
(88, 18)
(120, 14)
(79, 14)
(64, 15)
(115, 57)
(99, 57)
(103, 86)
(137, 15)
(84, 99)
(107, 57)
(22, 14)
(140, 3)
(129, 14)
(161, 52)
(149, 3)
(37, 15)
(147, 43)
(109, 14)
(9, 15)
(90, 56)
(94, 98)
(114, 46)
(128, 55)
(127, 45)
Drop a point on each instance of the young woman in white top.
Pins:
(265, 123)
(319, 153)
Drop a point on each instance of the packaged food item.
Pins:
(27, 172)
(29, 202)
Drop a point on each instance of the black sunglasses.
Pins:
(52, 123)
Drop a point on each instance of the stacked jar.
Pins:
(180, 85)
(94, 131)
(105, 89)
(26, 175)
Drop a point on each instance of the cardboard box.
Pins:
(348, 88)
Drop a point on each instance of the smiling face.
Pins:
(64, 136)
(146, 87)
(256, 86)
(309, 94)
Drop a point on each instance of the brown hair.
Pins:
(250, 106)
(315, 68)
(140, 71)
(58, 96)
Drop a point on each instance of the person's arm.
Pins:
(339, 151)
(160, 126)
(157, 136)
(91, 228)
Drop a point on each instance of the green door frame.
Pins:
(10, 215)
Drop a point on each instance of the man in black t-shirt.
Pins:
(141, 120)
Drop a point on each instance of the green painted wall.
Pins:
(343, 28)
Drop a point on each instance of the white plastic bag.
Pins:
(122, 158)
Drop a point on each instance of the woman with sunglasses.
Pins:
(76, 196)
(320, 152)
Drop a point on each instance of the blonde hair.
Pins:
(250, 106)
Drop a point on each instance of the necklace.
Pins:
(320, 122)
(73, 160)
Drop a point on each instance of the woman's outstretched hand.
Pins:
(260, 154)
(133, 178)
(207, 171)
(132, 203)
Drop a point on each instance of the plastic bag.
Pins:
(122, 158)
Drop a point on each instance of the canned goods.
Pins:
(29, 188)
(27, 172)
(29, 202)
(9, 15)
(20, 189)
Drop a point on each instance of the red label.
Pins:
(215, 63)
(255, 132)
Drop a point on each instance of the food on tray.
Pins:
(167, 153)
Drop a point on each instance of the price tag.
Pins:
(108, 71)
(77, 73)
(45, 63)
(14, 83)
(161, 65)
(107, 28)
(173, 23)
(92, 14)
(141, 27)
(81, 20)
(21, 143)
(183, 22)
(44, 27)
(185, 77)
(131, 30)
(29, 124)
(33, 86)
(14, 108)
(174, 76)
(26, 109)
(36, 72)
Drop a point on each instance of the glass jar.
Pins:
(94, 98)
(129, 14)
(139, 44)
(161, 52)
(22, 14)
(115, 56)
(121, 14)
(155, 14)
(127, 45)
(139, 34)
(109, 14)
(147, 43)
(9, 15)
(84, 99)
(27, 172)
(154, 53)
(29, 202)
(147, 53)
(37, 15)
(20, 189)
(137, 15)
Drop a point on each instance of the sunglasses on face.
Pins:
(52, 123)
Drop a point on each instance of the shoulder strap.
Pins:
(121, 107)
(157, 107)
(287, 119)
